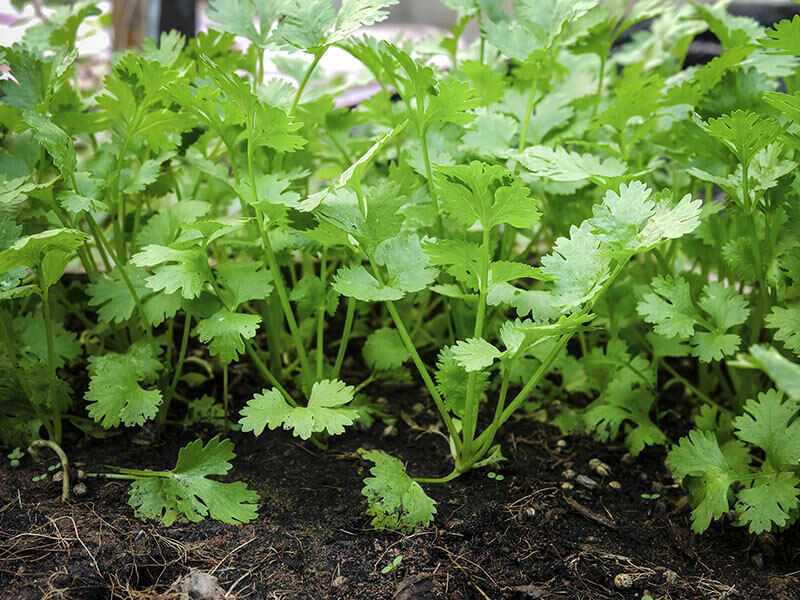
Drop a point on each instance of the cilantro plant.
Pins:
(552, 225)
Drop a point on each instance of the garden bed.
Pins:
(521, 537)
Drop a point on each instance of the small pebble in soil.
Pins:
(627, 459)
(566, 485)
(561, 444)
(79, 489)
(58, 476)
(586, 482)
(623, 581)
(568, 474)
(615, 485)
(599, 467)
(80, 474)
(339, 581)
(670, 576)
(529, 512)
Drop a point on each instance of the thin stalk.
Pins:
(128, 283)
(274, 334)
(523, 136)
(225, 395)
(348, 328)
(272, 264)
(304, 82)
(55, 415)
(423, 371)
(164, 409)
(62, 457)
(763, 288)
(455, 473)
(266, 373)
(600, 82)
(689, 386)
(321, 317)
(472, 404)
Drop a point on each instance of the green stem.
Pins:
(472, 403)
(689, 386)
(455, 473)
(763, 288)
(321, 317)
(128, 283)
(266, 373)
(272, 264)
(600, 82)
(523, 136)
(348, 328)
(36, 444)
(55, 414)
(423, 371)
(304, 82)
(187, 325)
(225, 396)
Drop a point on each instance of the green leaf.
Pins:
(312, 25)
(700, 456)
(51, 249)
(786, 321)
(450, 103)
(462, 259)
(714, 345)
(115, 394)
(34, 340)
(744, 133)
(475, 354)
(396, 502)
(355, 282)
(227, 331)
(240, 17)
(189, 273)
(273, 128)
(768, 423)
(55, 140)
(406, 262)
(490, 134)
(325, 411)
(244, 280)
(384, 349)
(637, 95)
(577, 267)
(669, 307)
(769, 504)
(560, 164)
(631, 222)
(783, 372)
(784, 37)
(488, 84)
(725, 307)
(451, 380)
(186, 491)
(112, 295)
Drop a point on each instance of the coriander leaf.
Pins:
(488, 84)
(637, 95)
(355, 281)
(34, 340)
(726, 307)
(669, 307)
(699, 455)
(312, 25)
(560, 164)
(190, 273)
(325, 411)
(384, 349)
(490, 134)
(504, 270)
(239, 17)
(768, 504)
(744, 133)
(475, 354)
(783, 372)
(31, 78)
(577, 266)
(273, 128)
(112, 295)
(226, 330)
(769, 424)
(714, 345)
(407, 264)
(450, 103)
(784, 37)
(186, 491)
(55, 140)
(244, 280)
(267, 409)
(115, 394)
(785, 321)
(51, 249)
(396, 501)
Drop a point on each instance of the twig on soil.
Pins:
(78, 537)
(231, 553)
(589, 514)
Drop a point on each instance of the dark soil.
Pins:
(523, 537)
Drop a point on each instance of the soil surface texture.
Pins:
(555, 525)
